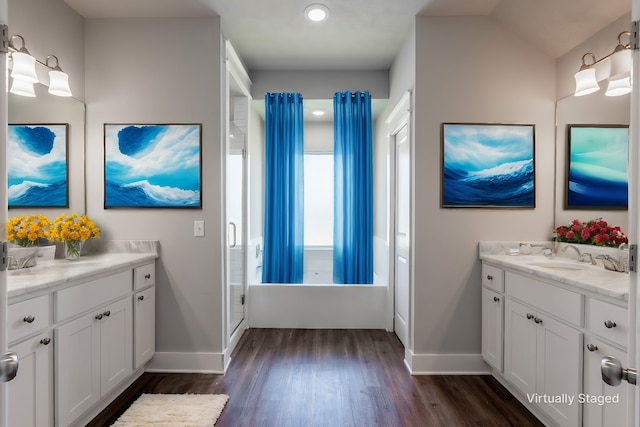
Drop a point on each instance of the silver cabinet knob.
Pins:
(496, 299)
(609, 324)
(537, 320)
(141, 297)
(8, 366)
(99, 316)
(107, 313)
(613, 373)
(45, 341)
(147, 276)
(489, 277)
(29, 319)
(530, 316)
(592, 347)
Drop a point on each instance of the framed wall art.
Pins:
(38, 165)
(488, 165)
(597, 167)
(152, 165)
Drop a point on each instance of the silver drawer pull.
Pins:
(45, 341)
(496, 299)
(29, 319)
(609, 324)
(107, 313)
(99, 316)
(489, 277)
(530, 316)
(592, 347)
(537, 320)
(141, 297)
(147, 276)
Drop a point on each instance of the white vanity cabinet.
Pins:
(94, 350)
(144, 312)
(492, 315)
(555, 335)
(30, 335)
(606, 335)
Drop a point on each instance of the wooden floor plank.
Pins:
(336, 378)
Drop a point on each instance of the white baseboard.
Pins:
(445, 364)
(206, 363)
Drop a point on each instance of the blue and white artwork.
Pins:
(598, 158)
(488, 165)
(37, 165)
(156, 166)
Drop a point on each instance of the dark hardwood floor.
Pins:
(336, 378)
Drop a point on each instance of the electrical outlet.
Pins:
(198, 228)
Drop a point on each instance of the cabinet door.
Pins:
(492, 327)
(145, 326)
(520, 346)
(559, 373)
(77, 375)
(31, 392)
(611, 409)
(116, 344)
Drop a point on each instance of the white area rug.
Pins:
(175, 410)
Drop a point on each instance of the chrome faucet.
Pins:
(564, 249)
(585, 255)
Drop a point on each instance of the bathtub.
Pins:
(317, 303)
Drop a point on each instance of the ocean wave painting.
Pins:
(598, 161)
(152, 166)
(488, 165)
(37, 165)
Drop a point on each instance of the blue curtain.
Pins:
(284, 189)
(353, 210)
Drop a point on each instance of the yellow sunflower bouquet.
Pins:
(73, 229)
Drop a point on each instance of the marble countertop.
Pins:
(57, 273)
(591, 278)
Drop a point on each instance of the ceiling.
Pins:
(363, 34)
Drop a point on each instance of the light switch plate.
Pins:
(198, 228)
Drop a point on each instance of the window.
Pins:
(318, 199)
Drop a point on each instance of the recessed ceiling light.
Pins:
(316, 12)
(318, 113)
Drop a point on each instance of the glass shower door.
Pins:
(236, 236)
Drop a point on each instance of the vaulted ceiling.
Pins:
(363, 34)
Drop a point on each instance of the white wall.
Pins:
(481, 74)
(165, 71)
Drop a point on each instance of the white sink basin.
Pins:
(567, 265)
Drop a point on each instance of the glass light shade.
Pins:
(619, 87)
(59, 83)
(586, 82)
(22, 88)
(620, 64)
(316, 12)
(24, 67)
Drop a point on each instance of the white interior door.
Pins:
(402, 234)
(3, 214)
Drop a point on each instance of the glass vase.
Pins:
(72, 249)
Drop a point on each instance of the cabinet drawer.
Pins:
(144, 276)
(78, 299)
(608, 320)
(493, 277)
(556, 301)
(28, 317)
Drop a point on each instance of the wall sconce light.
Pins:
(619, 81)
(24, 73)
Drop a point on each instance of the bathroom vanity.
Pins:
(546, 324)
(83, 331)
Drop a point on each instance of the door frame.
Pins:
(233, 71)
(400, 116)
(4, 120)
